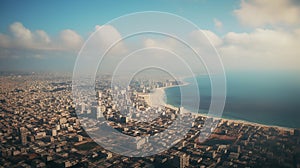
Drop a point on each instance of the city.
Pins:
(154, 84)
(40, 128)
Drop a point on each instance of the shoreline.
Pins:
(159, 93)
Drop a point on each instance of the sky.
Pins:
(248, 34)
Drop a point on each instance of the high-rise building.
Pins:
(23, 135)
(100, 110)
(182, 160)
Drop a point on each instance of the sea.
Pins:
(269, 98)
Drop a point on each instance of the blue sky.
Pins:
(82, 16)
(46, 35)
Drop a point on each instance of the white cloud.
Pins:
(107, 35)
(264, 49)
(257, 13)
(212, 37)
(198, 37)
(166, 43)
(20, 32)
(23, 38)
(70, 39)
(260, 49)
(42, 36)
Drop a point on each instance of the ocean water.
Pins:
(269, 98)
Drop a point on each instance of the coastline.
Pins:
(156, 98)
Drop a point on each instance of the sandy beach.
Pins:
(157, 98)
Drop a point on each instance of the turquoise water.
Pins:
(265, 98)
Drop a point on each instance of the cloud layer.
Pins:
(261, 49)
(21, 37)
(257, 13)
